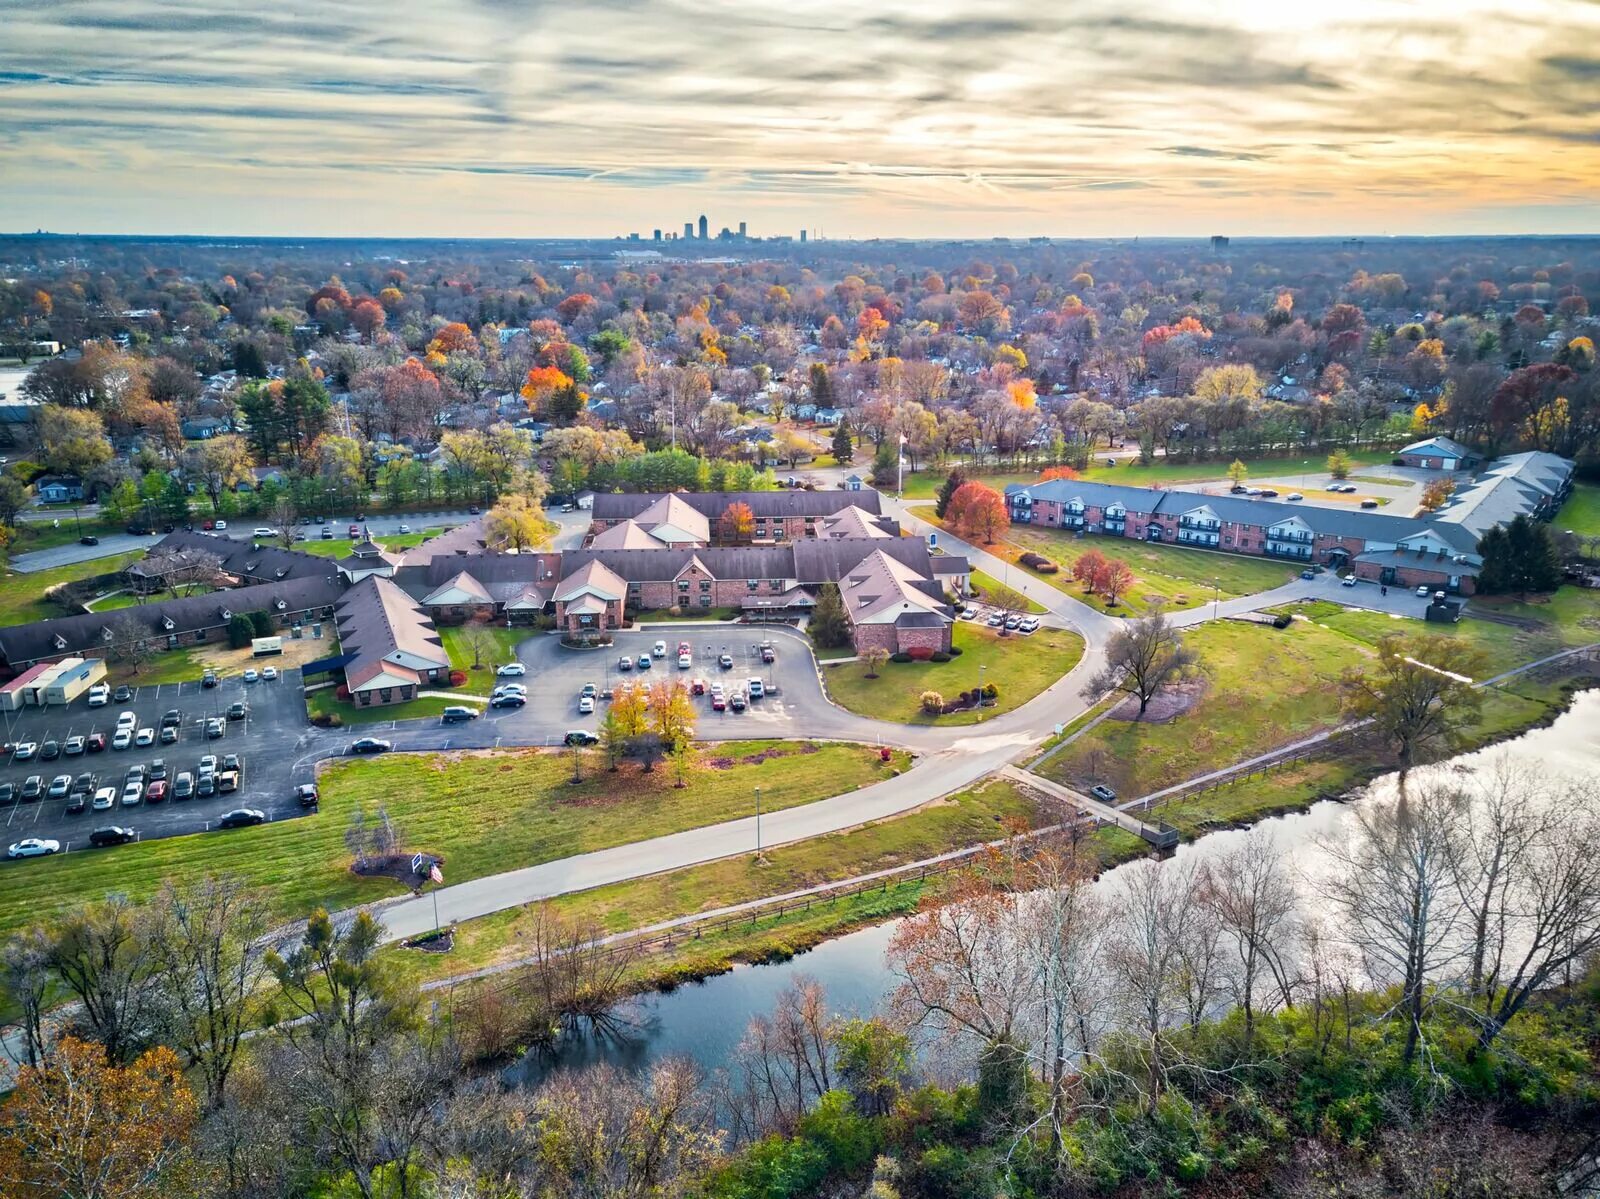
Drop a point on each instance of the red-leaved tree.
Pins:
(977, 511)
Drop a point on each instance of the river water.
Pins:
(705, 1021)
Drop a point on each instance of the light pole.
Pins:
(981, 668)
(1216, 595)
(758, 822)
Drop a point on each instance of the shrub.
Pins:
(1282, 620)
(458, 678)
(939, 656)
(675, 611)
(327, 720)
(900, 657)
(342, 691)
(955, 651)
(1047, 568)
(921, 653)
(932, 703)
(991, 690)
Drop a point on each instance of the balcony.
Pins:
(1291, 538)
(1193, 537)
(1204, 524)
(1280, 550)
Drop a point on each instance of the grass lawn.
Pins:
(1569, 617)
(503, 650)
(1285, 681)
(665, 616)
(42, 535)
(1581, 512)
(339, 547)
(127, 599)
(983, 813)
(325, 702)
(1173, 576)
(986, 583)
(22, 596)
(483, 812)
(1380, 480)
(165, 666)
(1020, 666)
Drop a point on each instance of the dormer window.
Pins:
(59, 641)
(106, 636)
(280, 605)
(282, 570)
(168, 624)
(227, 614)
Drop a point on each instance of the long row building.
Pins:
(1439, 550)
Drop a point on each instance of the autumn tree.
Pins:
(368, 317)
(1436, 494)
(1339, 464)
(1113, 580)
(1238, 472)
(219, 464)
(977, 511)
(1142, 657)
(1418, 697)
(1088, 568)
(671, 713)
(71, 441)
(80, 1127)
(737, 524)
(630, 708)
(875, 659)
(516, 523)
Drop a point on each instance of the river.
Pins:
(705, 1021)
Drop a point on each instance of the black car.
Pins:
(209, 679)
(122, 694)
(112, 834)
(173, 719)
(507, 700)
(50, 751)
(77, 802)
(581, 737)
(85, 782)
(307, 794)
(88, 539)
(8, 794)
(237, 711)
(370, 745)
(206, 787)
(241, 818)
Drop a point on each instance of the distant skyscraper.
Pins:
(802, 236)
(743, 233)
(688, 229)
(704, 227)
(656, 235)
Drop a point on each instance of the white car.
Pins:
(1294, 497)
(1348, 581)
(99, 695)
(132, 792)
(221, 526)
(123, 739)
(1028, 624)
(586, 706)
(104, 799)
(26, 750)
(511, 689)
(33, 847)
(658, 650)
(685, 661)
(263, 531)
(250, 675)
(127, 720)
(512, 670)
(144, 737)
(1424, 591)
(269, 674)
(405, 528)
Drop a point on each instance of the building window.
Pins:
(752, 584)
(705, 601)
(705, 586)
(683, 585)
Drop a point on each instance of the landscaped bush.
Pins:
(932, 703)
(327, 720)
(1047, 568)
(921, 653)
(342, 692)
(991, 691)
(900, 657)
(939, 656)
(458, 678)
(675, 611)
(955, 651)
(1282, 620)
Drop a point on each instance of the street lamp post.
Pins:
(1216, 595)
(758, 822)
(981, 668)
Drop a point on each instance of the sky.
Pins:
(1066, 118)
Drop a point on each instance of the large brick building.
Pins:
(1439, 550)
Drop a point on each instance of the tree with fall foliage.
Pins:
(671, 714)
(516, 523)
(1238, 472)
(541, 385)
(1087, 569)
(1049, 474)
(977, 511)
(1339, 464)
(1437, 494)
(78, 1127)
(1113, 580)
(737, 524)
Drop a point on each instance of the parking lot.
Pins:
(264, 740)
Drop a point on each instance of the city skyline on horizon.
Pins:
(919, 121)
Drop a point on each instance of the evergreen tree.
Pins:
(821, 385)
(952, 484)
(885, 465)
(843, 446)
(829, 629)
(1520, 556)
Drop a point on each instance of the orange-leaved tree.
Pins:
(541, 384)
(737, 522)
(976, 510)
(1114, 579)
(454, 338)
(1057, 472)
(1087, 569)
(77, 1126)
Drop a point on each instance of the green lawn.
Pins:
(325, 702)
(1581, 512)
(503, 650)
(483, 812)
(1260, 687)
(22, 595)
(128, 599)
(1021, 666)
(339, 547)
(986, 583)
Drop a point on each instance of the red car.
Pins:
(208, 525)
(355, 530)
(156, 792)
(697, 686)
(95, 742)
(718, 702)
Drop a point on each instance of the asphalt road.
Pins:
(111, 544)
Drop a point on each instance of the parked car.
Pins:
(238, 711)
(1028, 624)
(1269, 493)
(169, 736)
(370, 745)
(757, 688)
(132, 792)
(1424, 591)
(685, 661)
(644, 661)
(122, 695)
(725, 661)
(1294, 497)
(586, 705)
(88, 539)
(405, 529)
(208, 765)
(33, 847)
(768, 654)
(50, 750)
(697, 686)
(1308, 573)
(512, 670)
(209, 678)
(1103, 793)
(624, 663)
(1369, 503)
(580, 737)
(232, 762)
(327, 533)
(250, 675)
(659, 649)
(736, 701)
(221, 526)
(457, 714)
(227, 781)
(307, 795)
(508, 699)
(144, 738)
(112, 834)
(73, 745)
(241, 818)
(96, 743)
(104, 799)
(719, 702)
(968, 613)
(77, 801)
(59, 786)
(32, 788)
(996, 620)
(156, 791)
(215, 728)
(269, 674)
(183, 785)
(24, 751)
(205, 786)
(123, 739)
(1012, 622)
(1348, 581)
(99, 695)
(8, 794)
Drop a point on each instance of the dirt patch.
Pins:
(396, 866)
(1167, 705)
(442, 941)
(786, 750)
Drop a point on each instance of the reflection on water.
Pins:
(705, 1021)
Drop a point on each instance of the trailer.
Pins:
(262, 647)
(74, 678)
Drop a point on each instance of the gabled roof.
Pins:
(672, 520)
(384, 628)
(461, 588)
(244, 559)
(461, 540)
(1513, 486)
(854, 521)
(882, 590)
(629, 535)
(1439, 447)
(593, 578)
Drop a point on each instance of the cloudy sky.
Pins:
(897, 117)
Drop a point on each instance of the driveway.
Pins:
(110, 546)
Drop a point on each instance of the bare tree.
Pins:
(479, 641)
(25, 983)
(1393, 886)
(282, 520)
(131, 642)
(208, 969)
(785, 1060)
(180, 571)
(1142, 657)
(1250, 892)
(99, 953)
(1007, 600)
